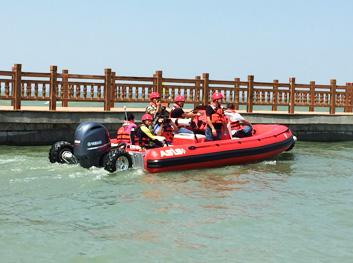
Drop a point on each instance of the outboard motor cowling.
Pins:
(92, 143)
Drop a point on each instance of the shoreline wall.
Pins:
(46, 127)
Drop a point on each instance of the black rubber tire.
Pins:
(290, 147)
(112, 157)
(57, 149)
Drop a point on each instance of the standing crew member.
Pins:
(215, 118)
(155, 104)
(178, 112)
(145, 135)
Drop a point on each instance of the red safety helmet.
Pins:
(179, 98)
(154, 95)
(146, 117)
(216, 96)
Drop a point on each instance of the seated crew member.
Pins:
(178, 112)
(238, 126)
(215, 118)
(126, 132)
(166, 128)
(144, 133)
(155, 104)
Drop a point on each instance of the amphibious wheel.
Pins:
(290, 147)
(293, 144)
(62, 152)
(117, 160)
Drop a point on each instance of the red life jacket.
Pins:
(218, 116)
(199, 122)
(168, 133)
(142, 139)
(235, 125)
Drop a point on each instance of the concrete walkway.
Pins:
(128, 109)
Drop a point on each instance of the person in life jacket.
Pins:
(155, 104)
(199, 122)
(215, 118)
(238, 126)
(144, 133)
(127, 132)
(166, 128)
(178, 113)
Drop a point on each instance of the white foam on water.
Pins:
(6, 161)
(274, 162)
(24, 180)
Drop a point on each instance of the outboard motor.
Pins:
(92, 143)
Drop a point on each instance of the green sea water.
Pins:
(297, 207)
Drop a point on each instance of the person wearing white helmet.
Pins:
(216, 120)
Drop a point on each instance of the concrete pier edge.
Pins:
(43, 127)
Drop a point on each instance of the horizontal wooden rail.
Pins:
(111, 88)
(5, 73)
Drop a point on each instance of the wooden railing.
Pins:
(111, 88)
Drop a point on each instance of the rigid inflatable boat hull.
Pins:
(267, 142)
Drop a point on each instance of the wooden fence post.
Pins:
(236, 92)
(159, 80)
(113, 90)
(291, 95)
(205, 88)
(332, 96)
(16, 89)
(197, 90)
(154, 84)
(312, 96)
(275, 95)
(348, 97)
(250, 95)
(350, 105)
(53, 88)
(65, 88)
(107, 88)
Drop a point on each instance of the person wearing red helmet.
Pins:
(215, 118)
(144, 133)
(155, 103)
(178, 112)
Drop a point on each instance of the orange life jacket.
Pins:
(123, 134)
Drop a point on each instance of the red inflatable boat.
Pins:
(93, 147)
(191, 151)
